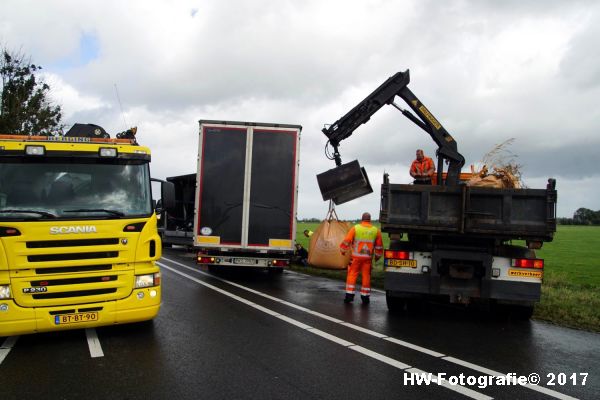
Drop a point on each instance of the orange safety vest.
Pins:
(424, 165)
(365, 240)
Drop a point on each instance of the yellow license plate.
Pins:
(524, 273)
(402, 263)
(65, 319)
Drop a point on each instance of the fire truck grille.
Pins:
(72, 256)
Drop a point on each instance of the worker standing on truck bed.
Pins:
(422, 169)
(365, 240)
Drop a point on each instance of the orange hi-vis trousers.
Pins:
(362, 265)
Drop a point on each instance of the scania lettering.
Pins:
(56, 230)
(78, 237)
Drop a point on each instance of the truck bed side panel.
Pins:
(462, 210)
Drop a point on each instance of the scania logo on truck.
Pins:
(60, 230)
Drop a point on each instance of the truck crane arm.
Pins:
(385, 94)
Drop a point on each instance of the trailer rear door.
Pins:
(221, 183)
(247, 185)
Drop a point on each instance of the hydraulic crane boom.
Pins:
(385, 94)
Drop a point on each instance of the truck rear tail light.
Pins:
(401, 255)
(281, 263)
(528, 263)
(206, 260)
(4, 231)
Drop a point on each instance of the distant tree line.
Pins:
(583, 216)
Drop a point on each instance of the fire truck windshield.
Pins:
(72, 190)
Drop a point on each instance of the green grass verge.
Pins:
(571, 288)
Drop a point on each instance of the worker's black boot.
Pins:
(349, 298)
(365, 299)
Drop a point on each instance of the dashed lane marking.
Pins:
(94, 343)
(7, 346)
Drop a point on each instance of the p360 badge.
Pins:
(36, 289)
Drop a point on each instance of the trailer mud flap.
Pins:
(344, 183)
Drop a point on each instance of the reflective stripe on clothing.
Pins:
(350, 289)
(345, 245)
(362, 266)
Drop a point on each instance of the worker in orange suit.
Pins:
(363, 240)
(422, 169)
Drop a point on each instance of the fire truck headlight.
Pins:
(4, 292)
(142, 281)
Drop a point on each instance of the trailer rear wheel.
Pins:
(275, 271)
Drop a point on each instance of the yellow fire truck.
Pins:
(78, 238)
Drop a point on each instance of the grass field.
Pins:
(571, 288)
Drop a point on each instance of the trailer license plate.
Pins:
(402, 263)
(245, 261)
(524, 274)
(65, 319)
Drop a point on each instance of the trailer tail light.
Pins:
(206, 260)
(281, 263)
(528, 263)
(400, 255)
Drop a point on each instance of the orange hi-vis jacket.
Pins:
(364, 239)
(423, 166)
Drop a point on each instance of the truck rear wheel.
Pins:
(522, 313)
(395, 304)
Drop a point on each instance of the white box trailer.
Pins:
(246, 193)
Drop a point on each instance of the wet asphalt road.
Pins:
(252, 335)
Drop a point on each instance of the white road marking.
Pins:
(403, 343)
(380, 357)
(363, 330)
(7, 346)
(414, 347)
(94, 343)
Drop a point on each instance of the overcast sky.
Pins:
(488, 70)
